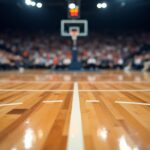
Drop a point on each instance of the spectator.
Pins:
(42, 50)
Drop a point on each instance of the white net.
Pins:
(74, 34)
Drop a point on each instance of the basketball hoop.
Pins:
(74, 34)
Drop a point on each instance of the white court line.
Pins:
(53, 101)
(69, 82)
(92, 101)
(31, 90)
(10, 104)
(132, 103)
(75, 137)
(38, 82)
(15, 90)
(144, 90)
(111, 82)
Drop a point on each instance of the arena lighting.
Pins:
(28, 2)
(123, 4)
(39, 5)
(102, 5)
(72, 6)
(99, 5)
(33, 3)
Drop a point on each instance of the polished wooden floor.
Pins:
(36, 106)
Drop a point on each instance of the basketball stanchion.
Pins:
(75, 64)
(74, 28)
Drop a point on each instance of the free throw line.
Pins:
(132, 103)
(53, 101)
(10, 104)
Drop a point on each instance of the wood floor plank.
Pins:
(107, 125)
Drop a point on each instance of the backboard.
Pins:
(80, 25)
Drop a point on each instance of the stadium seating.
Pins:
(104, 51)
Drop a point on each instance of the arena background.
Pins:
(85, 93)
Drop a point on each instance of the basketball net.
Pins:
(74, 34)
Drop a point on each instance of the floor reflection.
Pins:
(102, 133)
(29, 138)
(123, 145)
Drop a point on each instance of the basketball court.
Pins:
(44, 110)
(73, 108)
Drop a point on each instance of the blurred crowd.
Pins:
(98, 51)
(120, 51)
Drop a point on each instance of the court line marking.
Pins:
(15, 90)
(144, 90)
(111, 82)
(69, 82)
(10, 104)
(75, 136)
(92, 101)
(39, 82)
(132, 103)
(53, 101)
(125, 90)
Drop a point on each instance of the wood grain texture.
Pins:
(107, 125)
